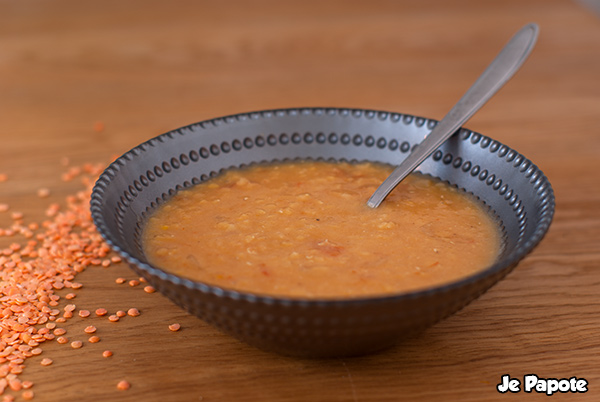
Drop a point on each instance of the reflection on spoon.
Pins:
(502, 68)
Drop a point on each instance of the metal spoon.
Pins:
(493, 78)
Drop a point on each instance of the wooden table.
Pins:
(90, 80)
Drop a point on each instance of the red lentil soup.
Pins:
(303, 229)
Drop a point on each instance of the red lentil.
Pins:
(90, 329)
(76, 344)
(123, 385)
(175, 327)
(133, 312)
(94, 339)
(59, 331)
(149, 289)
(70, 296)
(113, 318)
(121, 314)
(62, 340)
(84, 313)
(46, 361)
(120, 280)
(15, 385)
(134, 282)
(107, 353)
(16, 215)
(101, 311)
(27, 395)
(43, 192)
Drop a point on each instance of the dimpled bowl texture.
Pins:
(133, 186)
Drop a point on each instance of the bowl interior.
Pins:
(514, 189)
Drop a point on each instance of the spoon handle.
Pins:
(501, 69)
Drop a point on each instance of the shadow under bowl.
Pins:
(133, 186)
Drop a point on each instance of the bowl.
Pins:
(134, 185)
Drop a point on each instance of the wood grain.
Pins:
(145, 67)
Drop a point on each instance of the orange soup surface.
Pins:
(303, 229)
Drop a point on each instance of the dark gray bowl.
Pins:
(515, 190)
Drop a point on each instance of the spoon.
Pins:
(500, 70)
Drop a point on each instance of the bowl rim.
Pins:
(96, 207)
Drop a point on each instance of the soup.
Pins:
(303, 229)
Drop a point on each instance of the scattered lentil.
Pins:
(60, 331)
(133, 312)
(175, 327)
(62, 340)
(101, 311)
(149, 289)
(46, 361)
(120, 280)
(121, 314)
(16, 215)
(53, 253)
(43, 192)
(90, 329)
(123, 385)
(15, 385)
(113, 318)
